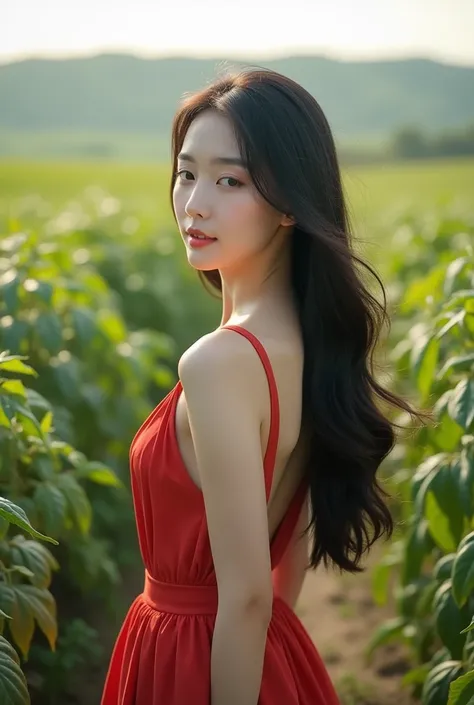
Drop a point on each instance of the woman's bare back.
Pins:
(283, 345)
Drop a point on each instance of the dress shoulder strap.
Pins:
(270, 453)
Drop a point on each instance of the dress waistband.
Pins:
(180, 599)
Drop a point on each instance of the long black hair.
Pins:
(287, 145)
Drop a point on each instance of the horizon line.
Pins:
(287, 53)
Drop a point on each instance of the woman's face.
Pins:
(213, 193)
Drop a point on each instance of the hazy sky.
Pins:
(359, 29)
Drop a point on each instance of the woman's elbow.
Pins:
(248, 601)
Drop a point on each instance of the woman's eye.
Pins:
(235, 183)
(184, 175)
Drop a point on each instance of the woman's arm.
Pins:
(289, 575)
(224, 391)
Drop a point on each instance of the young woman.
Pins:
(272, 428)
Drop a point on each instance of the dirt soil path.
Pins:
(340, 615)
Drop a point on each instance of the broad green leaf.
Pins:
(9, 289)
(436, 687)
(83, 321)
(13, 386)
(68, 378)
(443, 568)
(449, 620)
(16, 366)
(44, 609)
(33, 604)
(36, 558)
(52, 507)
(461, 691)
(423, 476)
(463, 469)
(100, 474)
(104, 477)
(444, 485)
(8, 406)
(78, 504)
(446, 434)
(48, 328)
(22, 626)
(14, 334)
(439, 524)
(424, 360)
(466, 540)
(47, 422)
(388, 631)
(15, 515)
(417, 547)
(43, 465)
(13, 687)
(461, 403)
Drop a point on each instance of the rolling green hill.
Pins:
(112, 95)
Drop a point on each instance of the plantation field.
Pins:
(375, 193)
(97, 296)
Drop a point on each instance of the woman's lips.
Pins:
(195, 241)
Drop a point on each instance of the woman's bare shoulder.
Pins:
(219, 357)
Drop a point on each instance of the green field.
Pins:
(375, 193)
(97, 294)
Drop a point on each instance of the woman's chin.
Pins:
(200, 262)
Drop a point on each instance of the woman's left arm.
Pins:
(221, 379)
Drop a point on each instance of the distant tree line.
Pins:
(413, 143)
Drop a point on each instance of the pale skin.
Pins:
(223, 414)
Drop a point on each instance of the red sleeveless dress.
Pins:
(162, 653)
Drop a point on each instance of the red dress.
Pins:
(162, 653)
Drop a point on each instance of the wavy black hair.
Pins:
(287, 145)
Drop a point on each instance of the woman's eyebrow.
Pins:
(236, 161)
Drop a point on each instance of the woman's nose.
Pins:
(198, 205)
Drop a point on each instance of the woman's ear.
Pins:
(287, 220)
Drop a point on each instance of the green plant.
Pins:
(45, 476)
(434, 550)
(21, 603)
(91, 382)
(96, 377)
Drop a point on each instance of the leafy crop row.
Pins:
(433, 479)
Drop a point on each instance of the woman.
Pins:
(272, 428)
